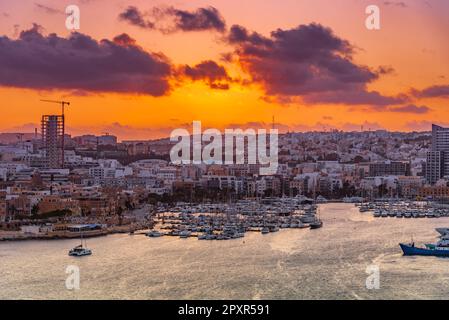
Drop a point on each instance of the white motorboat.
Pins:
(154, 234)
(184, 234)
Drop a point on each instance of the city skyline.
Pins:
(337, 74)
(11, 136)
(250, 150)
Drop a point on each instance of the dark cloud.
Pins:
(440, 91)
(411, 108)
(133, 16)
(210, 72)
(239, 35)
(47, 9)
(171, 19)
(124, 40)
(219, 86)
(401, 4)
(199, 20)
(383, 70)
(81, 63)
(355, 95)
(307, 62)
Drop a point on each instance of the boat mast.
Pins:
(81, 232)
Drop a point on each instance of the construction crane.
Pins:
(62, 103)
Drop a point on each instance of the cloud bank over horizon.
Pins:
(234, 69)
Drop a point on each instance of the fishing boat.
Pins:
(440, 249)
(429, 250)
(443, 231)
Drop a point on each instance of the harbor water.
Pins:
(327, 263)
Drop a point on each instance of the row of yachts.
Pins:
(404, 210)
(277, 206)
(227, 226)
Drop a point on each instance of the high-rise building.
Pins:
(53, 140)
(437, 165)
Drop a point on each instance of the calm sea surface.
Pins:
(328, 263)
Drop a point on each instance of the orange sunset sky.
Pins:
(312, 64)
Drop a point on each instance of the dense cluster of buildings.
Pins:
(43, 174)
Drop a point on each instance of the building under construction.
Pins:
(53, 140)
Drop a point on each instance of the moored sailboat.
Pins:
(80, 250)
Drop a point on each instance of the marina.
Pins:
(227, 222)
